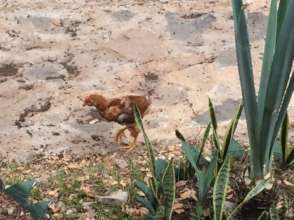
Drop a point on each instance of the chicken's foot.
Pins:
(131, 146)
(119, 134)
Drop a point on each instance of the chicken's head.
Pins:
(88, 101)
(99, 101)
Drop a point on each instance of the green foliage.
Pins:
(20, 192)
(191, 152)
(220, 190)
(264, 216)
(259, 187)
(229, 146)
(274, 214)
(265, 112)
(159, 194)
(169, 190)
(287, 154)
(205, 177)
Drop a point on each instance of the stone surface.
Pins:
(180, 52)
(116, 198)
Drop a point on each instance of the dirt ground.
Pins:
(53, 52)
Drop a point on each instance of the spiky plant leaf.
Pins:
(190, 151)
(169, 190)
(245, 71)
(220, 190)
(284, 138)
(149, 194)
(204, 139)
(290, 158)
(230, 132)
(269, 51)
(197, 212)
(146, 203)
(279, 77)
(20, 192)
(149, 145)
(205, 178)
(39, 210)
(274, 214)
(259, 187)
(236, 150)
(212, 114)
(213, 121)
(160, 167)
(264, 216)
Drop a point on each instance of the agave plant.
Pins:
(159, 194)
(20, 192)
(287, 155)
(220, 188)
(229, 146)
(265, 112)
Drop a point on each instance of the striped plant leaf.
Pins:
(220, 190)
(259, 187)
(274, 214)
(169, 190)
(149, 145)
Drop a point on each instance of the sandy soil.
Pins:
(52, 52)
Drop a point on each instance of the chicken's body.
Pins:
(120, 110)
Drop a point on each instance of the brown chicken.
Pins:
(120, 110)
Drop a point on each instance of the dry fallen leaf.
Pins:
(88, 191)
(53, 193)
(133, 211)
(178, 208)
(181, 183)
(287, 183)
(73, 166)
(188, 194)
(54, 208)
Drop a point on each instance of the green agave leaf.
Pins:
(220, 190)
(284, 105)
(20, 192)
(230, 132)
(169, 190)
(213, 121)
(38, 210)
(147, 192)
(212, 114)
(236, 150)
(197, 213)
(269, 51)
(264, 216)
(146, 203)
(277, 151)
(281, 13)
(149, 145)
(190, 151)
(150, 217)
(160, 214)
(204, 139)
(205, 178)
(245, 71)
(285, 208)
(278, 82)
(160, 167)
(259, 187)
(274, 214)
(290, 158)
(284, 138)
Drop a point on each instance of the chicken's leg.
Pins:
(119, 134)
(134, 131)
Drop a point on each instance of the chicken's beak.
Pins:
(80, 98)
